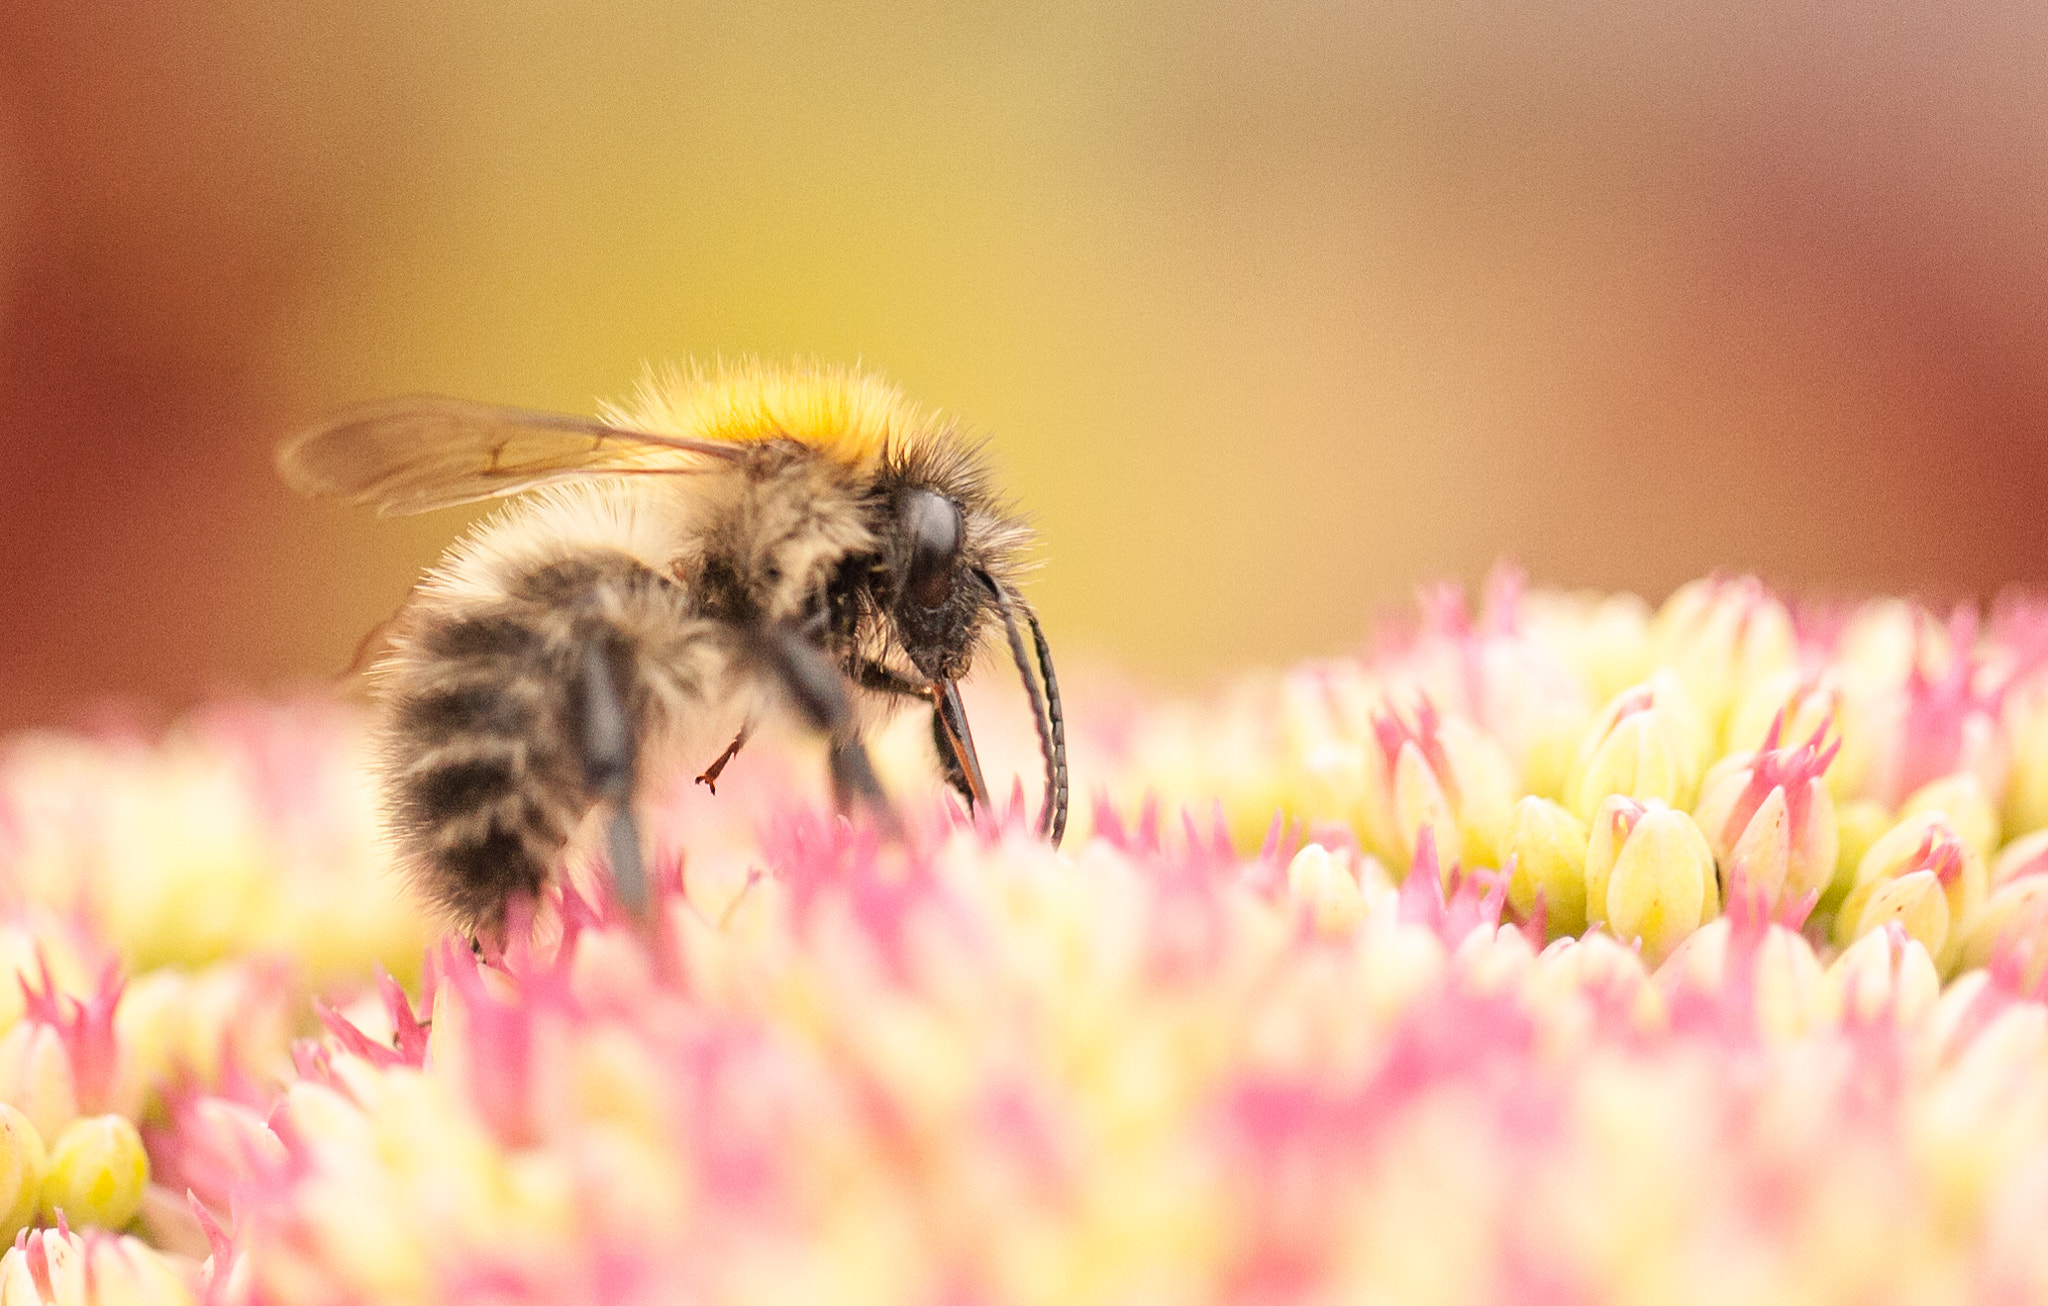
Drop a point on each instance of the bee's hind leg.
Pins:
(609, 749)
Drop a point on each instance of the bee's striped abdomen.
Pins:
(484, 751)
(483, 792)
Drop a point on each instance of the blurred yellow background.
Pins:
(1272, 310)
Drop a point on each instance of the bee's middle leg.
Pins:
(819, 690)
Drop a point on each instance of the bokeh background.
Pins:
(1272, 310)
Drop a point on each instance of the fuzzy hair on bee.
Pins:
(730, 542)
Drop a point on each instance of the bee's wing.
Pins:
(424, 452)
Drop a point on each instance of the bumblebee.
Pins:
(729, 542)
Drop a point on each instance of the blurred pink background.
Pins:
(1271, 310)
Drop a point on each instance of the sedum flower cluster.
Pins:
(1633, 772)
(1557, 951)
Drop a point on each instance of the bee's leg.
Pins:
(608, 750)
(949, 761)
(819, 691)
(711, 773)
(875, 676)
(950, 738)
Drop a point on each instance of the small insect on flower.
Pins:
(730, 542)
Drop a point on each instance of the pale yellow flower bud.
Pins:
(1791, 987)
(1487, 788)
(48, 1269)
(23, 1161)
(151, 1025)
(126, 1271)
(1548, 845)
(1646, 743)
(2014, 915)
(1859, 823)
(1962, 800)
(36, 1075)
(1494, 961)
(1925, 841)
(1786, 979)
(1884, 971)
(1327, 888)
(1764, 851)
(1955, 1012)
(1331, 781)
(97, 1172)
(1634, 759)
(1916, 901)
(1438, 772)
(2026, 855)
(1649, 875)
(1419, 800)
(1604, 639)
(1881, 641)
(1800, 703)
(1977, 1115)
(1306, 717)
(1770, 820)
(54, 1267)
(1594, 967)
(1722, 635)
(2026, 788)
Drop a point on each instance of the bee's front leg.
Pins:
(951, 742)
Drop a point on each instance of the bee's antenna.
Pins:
(1057, 721)
(1052, 818)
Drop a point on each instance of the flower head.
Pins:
(1445, 1028)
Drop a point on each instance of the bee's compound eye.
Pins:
(932, 522)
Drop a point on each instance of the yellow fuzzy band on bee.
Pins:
(851, 414)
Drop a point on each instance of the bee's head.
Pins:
(943, 562)
(934, 600)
